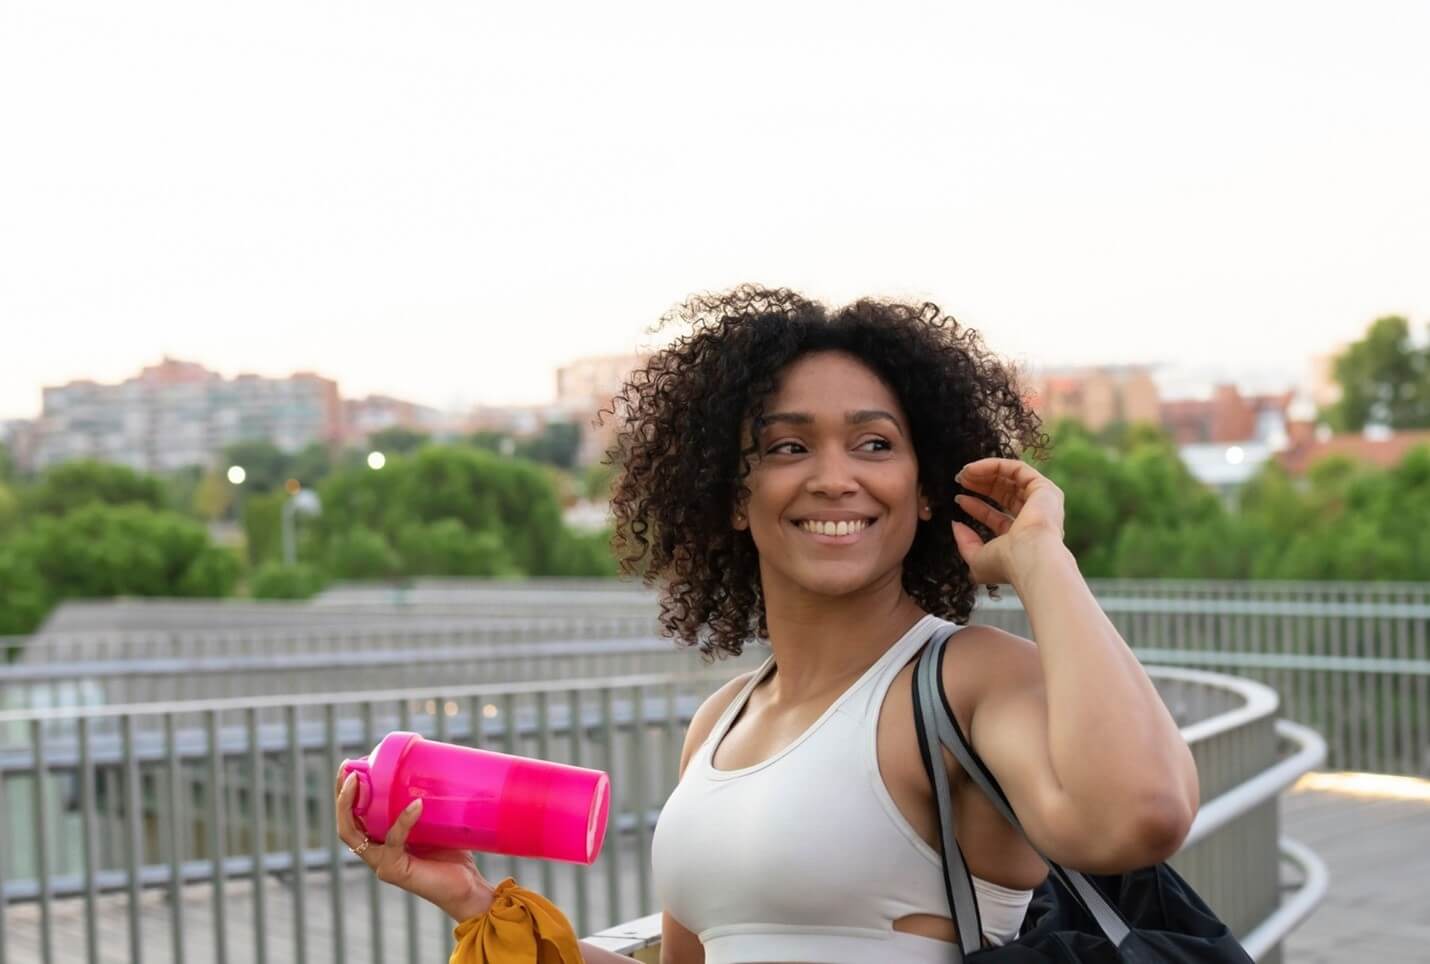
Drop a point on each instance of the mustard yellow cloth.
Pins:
(521, 927)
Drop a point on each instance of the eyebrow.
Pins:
(804, 418)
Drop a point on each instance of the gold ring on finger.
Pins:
(361, 848)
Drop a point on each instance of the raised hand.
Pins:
(1032, 509)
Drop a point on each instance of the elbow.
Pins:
(1156, 832)
(1134, 836)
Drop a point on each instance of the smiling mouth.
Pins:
(831, 533)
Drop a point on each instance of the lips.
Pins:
(836, 540)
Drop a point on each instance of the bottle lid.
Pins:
(373, 808)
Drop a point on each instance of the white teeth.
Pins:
(834, 528)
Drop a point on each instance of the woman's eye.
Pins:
(877, 441)
(781, 445)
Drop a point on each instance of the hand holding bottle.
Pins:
(447, 878)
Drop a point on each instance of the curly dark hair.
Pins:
(681, 467)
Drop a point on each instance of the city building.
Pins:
(1374, 446)
(364, 417)
(177, 414)
(1096, 395)
(1227, 416)
(585, 387)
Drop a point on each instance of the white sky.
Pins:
(445, 200)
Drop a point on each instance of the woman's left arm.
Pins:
(1087, 752)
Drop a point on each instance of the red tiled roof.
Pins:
(1383, 453)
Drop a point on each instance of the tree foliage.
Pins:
(396, 440)
(1384, 378)
(72, 485)
(447, 495)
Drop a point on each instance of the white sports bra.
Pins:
(805, 856)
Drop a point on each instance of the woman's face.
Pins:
(834, 496)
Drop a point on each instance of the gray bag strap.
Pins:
(938, 718)
(960, 894)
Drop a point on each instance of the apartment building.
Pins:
(177, 413)
(1096, 395)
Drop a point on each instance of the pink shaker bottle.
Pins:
(481, 800)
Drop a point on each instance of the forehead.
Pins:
(831, 380)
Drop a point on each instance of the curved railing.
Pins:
(100, 804)
(1233, 853)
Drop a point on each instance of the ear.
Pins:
(739, 519)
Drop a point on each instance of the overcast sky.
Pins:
(445, 200)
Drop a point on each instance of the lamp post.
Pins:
(305, 502)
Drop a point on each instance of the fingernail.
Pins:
(414, 806)
(348, 782)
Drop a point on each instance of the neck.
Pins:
(823, 642)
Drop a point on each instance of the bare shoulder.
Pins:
(980, 661)
(705, 717)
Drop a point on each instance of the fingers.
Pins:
(999, 522)
(1003, 480)
(348, 830)
(402, 826)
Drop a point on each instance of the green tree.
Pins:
(24, 596)
(9, 509)
(262, 527)
(213, 497)
(1383, 378)
(396, 440)
(274, 580)
(585, 554)
(510, 498)
(491, 441)
(556, 444)
(361, 553)
(1095, 499)
(7, 464)
(449, 548)
(128, 550)
(597, 481)
(265, 465)
(72, 485)
(312, 464)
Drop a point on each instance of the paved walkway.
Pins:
(1378, 907)
(1378, 854)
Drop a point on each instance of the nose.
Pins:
(832, 474)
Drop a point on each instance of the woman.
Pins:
(838, 483)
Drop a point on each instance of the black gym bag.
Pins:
(1145, 916)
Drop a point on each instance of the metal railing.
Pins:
(163, 797)
(1352, 661)
(167, 799)
(176, 679)
(353, 632)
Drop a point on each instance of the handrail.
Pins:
(230, 704)
(1265, 785)
(1283, 920)
(1261, 700)
(328, 659)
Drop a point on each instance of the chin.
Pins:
(836, 584)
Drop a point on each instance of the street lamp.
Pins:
(304, 502)
(376, 460)
(236, 475)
